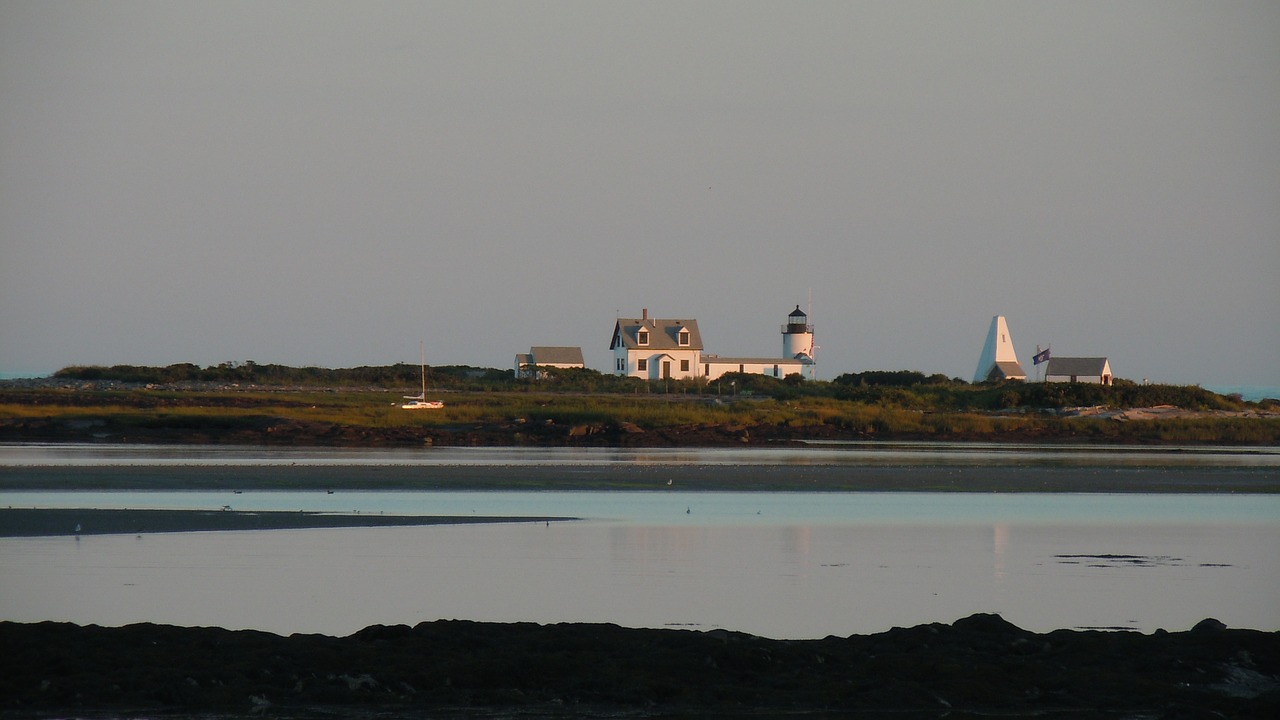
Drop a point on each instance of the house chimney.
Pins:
(644, 313)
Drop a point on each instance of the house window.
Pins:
(741, 368)
(684, 366)
(684, 338)
(642, 365)
(642, 337)
(706, 368)
(775, 371)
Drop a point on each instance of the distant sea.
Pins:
(1248, 392)
(23, 375)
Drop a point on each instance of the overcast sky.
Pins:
(316, 183)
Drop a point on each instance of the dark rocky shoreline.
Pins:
(980, 666)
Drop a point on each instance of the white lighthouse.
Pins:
(797, 336)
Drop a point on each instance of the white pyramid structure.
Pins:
(998, 360)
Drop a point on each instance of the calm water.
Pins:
(791, 564)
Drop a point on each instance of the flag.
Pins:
(1041, 356)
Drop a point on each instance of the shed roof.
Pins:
(1077, 367)
(559, 355)
(1006, 370)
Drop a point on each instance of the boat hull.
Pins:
(423, 405)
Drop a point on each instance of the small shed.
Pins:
(1096, 370)
(547, 356)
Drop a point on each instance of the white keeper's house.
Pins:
(661, 349)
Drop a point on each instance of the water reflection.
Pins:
(776, 580)
(999, 543)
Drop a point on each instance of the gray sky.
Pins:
(328, 183)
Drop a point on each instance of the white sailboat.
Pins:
(420, 402)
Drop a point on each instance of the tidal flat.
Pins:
(1071, 607)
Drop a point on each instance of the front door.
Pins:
(666, 369)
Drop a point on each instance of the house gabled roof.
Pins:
(550, 354)
(1077, 367)
(663, 334)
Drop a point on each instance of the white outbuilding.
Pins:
(1096, 370)
(547, 356)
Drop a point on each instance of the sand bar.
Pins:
(29, 522)
(829, 478)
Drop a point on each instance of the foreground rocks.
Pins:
(979, 666)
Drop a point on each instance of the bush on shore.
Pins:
(901, 388)
(874, 404)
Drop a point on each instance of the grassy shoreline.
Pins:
(373, 418)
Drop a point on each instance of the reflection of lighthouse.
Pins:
(797, 338)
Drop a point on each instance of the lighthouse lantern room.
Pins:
(797, 335)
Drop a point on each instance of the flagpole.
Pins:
(1041, 356)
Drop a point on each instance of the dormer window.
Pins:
(642, 337)
(684, 338)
